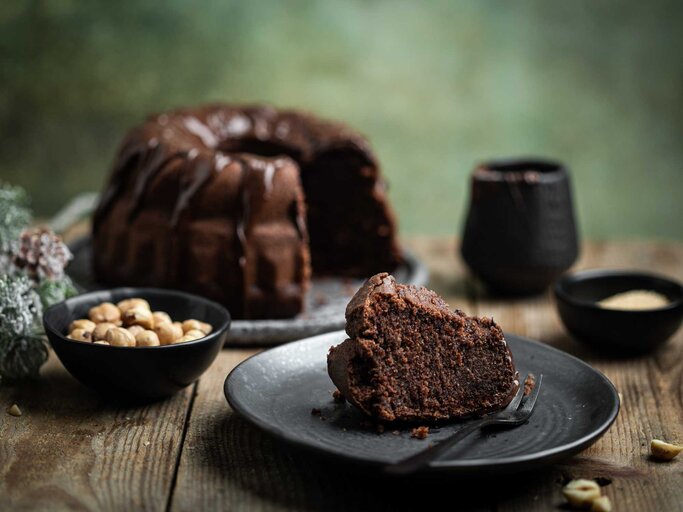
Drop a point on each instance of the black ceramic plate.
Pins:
(277, 389)
(325, 302)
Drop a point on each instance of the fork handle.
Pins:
(423, 458)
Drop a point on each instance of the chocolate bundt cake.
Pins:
(409, 357)
(239, 204)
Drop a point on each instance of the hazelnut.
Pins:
(127, 304)
(602, 504)
(80, 335)
(581, 493)
(168, 333)
(138, 316)
(192, 324)
(105, 312)
(147, 339)
(101, 342)
(664, 451)
(184, 338)
(82, 323)
(119, 337)
(161, 317)
(195, 333)
(100, 330)
(135, 329)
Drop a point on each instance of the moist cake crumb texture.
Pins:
(409, 357)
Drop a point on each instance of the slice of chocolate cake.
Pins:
(411, 358)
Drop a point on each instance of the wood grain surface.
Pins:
(72, 450)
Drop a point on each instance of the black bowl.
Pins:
(135, 373)
(618, 331)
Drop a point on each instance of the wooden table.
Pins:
(72, 449)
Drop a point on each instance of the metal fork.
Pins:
(514, 414)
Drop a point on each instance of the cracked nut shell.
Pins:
(581, 493)
(602, 504)
(664, 451)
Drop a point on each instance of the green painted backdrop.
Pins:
(437, 86)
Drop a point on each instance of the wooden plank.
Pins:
(74, 450)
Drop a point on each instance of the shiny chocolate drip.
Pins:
(269, 170)
(119, 176)
(268, 177)
(155, 160)
(242, 215)
(199, 170)
(199, 129)
(299, 221)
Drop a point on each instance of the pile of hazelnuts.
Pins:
(132, 323)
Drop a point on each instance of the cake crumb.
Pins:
(338, 397)
(529, 383)
(14, 410)
(395, 432)
(420, 432)
(316, 412)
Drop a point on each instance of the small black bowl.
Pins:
(134, 373)
(618, 332)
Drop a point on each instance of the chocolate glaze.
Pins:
(231, 177)
(201, 172)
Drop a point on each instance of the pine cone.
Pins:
(41, 254)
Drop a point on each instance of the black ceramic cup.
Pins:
(137, 373)
(520, 233)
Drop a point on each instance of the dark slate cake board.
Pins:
(325, 302)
